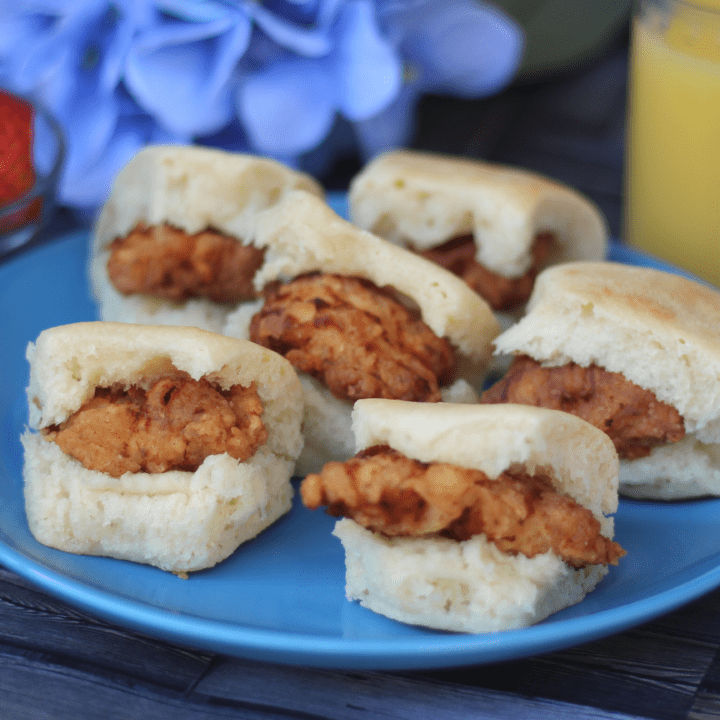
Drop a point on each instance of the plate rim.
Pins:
(434, 650)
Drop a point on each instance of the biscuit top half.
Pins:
(302, 234)
(580, 459)
(659, 329)
(424, 199)
(69, 362)
(195, 188)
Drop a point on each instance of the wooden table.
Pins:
(57, 662)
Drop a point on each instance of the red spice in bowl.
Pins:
(17, 174)
(27, 189)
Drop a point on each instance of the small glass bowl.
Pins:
(22, 219)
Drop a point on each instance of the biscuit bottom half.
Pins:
(178, 521)
(468, 586)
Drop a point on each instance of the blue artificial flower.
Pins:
(289, 106)
(292, 79)
(71, 56)
(181, 72)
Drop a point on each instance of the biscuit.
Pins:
(178, 520)
(191, 189)
(302, 234)
(472, 585)
(658, 330)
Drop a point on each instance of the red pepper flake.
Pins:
(17, 174)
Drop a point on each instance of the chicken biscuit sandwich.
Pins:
(162, 445)
(472, 518)
(494, 226)
(359, 317)
(172, 242)
(634, 351)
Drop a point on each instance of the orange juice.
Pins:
(673, 153)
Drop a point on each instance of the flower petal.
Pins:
(86, 137)
(181, 72)
(115, 45)
(195, 11)
(301, 39)
(30, 44)
(88, 182)
(367, 70)
(461, 46)
(288, 108)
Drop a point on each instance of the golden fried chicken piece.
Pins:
(175, 425)
(502, 293)
(389, 493)
(633, 418)
(355, 338)
(166, 262)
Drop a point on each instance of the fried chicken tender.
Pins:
(175, 425)
(633, 418)
(166, 262)
(389, 493)
(355, 338)
(502, 293)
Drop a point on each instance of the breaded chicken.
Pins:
(502, 293)
(633, 418)
(389, 493)
(355, 338)
(166, 262)
(175, 425)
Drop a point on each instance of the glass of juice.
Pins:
(672, 176)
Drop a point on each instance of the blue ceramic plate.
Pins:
(280, 597)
